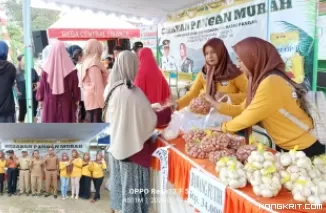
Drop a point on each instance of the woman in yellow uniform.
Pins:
(65, 170)
(2, 171)
(218, 77)
(273, 100)
(76, 163)
(85, 181)
(97, 168)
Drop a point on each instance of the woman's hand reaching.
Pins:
(212, 101)
(220, 97)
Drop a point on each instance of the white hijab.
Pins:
(45, 54)
(131, 117)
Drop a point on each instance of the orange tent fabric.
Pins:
(179, 174)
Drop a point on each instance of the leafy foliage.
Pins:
(41, 19)
(305, 49)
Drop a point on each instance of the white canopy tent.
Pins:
(149, 9)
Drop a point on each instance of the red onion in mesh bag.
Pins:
(244, 151)
(215, 141)
(217, 155)
(195, 135)
(194, 150)
(199, 105)
(236, 142)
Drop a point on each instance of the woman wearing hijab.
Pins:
(58, 88)
(130, 154)
(273, 100)
(21, 85)
(93, 80)
(85, 181)
(65, 171)
(218, 77)
(97, 168)
(76, 173)
(150, 78)
(7, 81)
(71, 50)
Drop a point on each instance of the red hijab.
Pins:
(224, 70)
(150, 78)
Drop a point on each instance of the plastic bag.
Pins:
(173, 129)
(190, 120)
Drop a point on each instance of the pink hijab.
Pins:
(58, 66)
(92, 57)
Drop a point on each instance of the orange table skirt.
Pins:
(236, 201)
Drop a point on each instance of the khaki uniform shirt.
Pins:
(36, 167)
(24, 163)
(51, 162)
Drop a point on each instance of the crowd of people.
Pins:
(69, 88)
(258, 87)
(259, 90)
(32, 170)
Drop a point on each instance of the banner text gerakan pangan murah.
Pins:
(236, 14)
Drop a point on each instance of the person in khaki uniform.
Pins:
(51, 166)
(36, 166)
(24, 173)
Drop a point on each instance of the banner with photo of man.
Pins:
(292, 27)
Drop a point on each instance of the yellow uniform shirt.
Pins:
(63, 168)
(85, 169)
(273, 94)
(77, 168)
(236, 89)
(97, 169)
(2, 166)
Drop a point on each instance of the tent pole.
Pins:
(28, 59)
(268, 20)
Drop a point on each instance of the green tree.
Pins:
(41, 19)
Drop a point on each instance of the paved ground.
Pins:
(24, 204)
